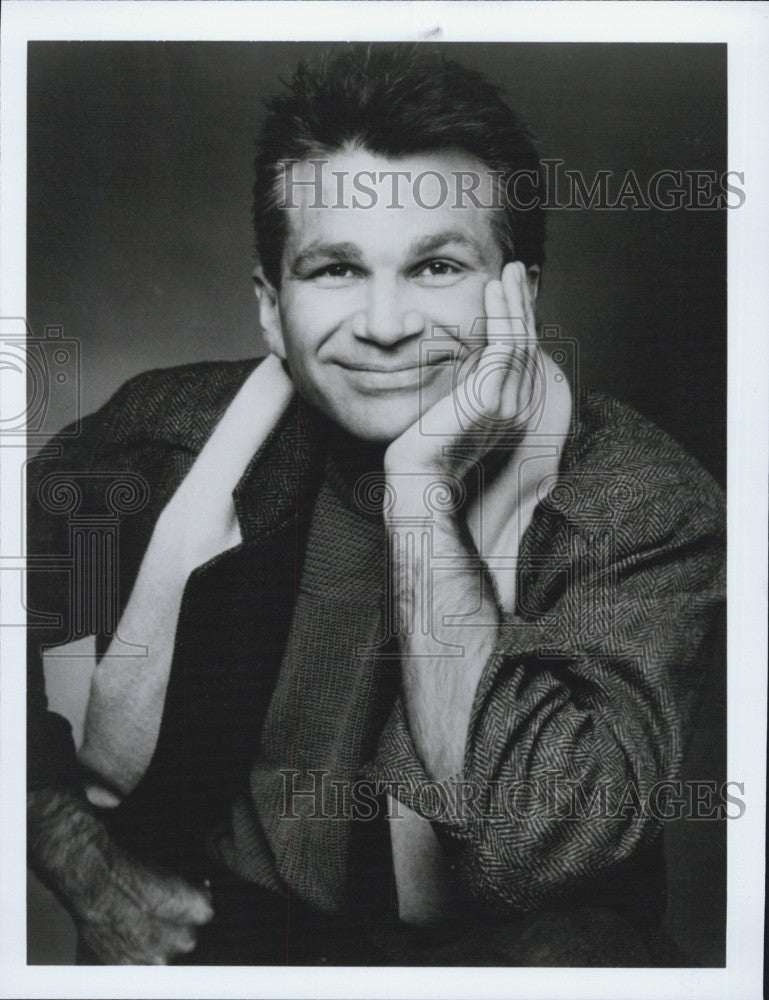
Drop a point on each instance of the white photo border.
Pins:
(744, 27)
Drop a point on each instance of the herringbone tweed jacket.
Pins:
(584, 708)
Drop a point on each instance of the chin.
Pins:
(375, 433)
(381, 423)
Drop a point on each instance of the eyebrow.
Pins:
(317, 251)
(432, 244)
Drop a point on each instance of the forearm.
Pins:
(447, 622)
(540, 806)
(68, 848)
(126, 912)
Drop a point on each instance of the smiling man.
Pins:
(361, 289)
(407, 637)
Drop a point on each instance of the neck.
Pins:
(353, 456)
(352, 463)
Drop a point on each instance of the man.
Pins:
(396, 614)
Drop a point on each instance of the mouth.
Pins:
(381, 369)
(383, 378)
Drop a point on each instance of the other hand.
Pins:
(141, 916)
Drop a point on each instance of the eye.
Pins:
(333, 273)
(438, 272)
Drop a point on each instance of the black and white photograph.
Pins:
(365, 467)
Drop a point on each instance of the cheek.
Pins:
(296, 321)
(294, 310)
(459, 309)
(307, 318)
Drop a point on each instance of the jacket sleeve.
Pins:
(54, 490)
(585, 705)
(77, 487)
(92, 501)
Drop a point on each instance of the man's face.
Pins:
(363, 289)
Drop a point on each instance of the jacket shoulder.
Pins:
(609, 433)
(620, 467)
(178, 405)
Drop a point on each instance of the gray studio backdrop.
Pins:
(140, 253)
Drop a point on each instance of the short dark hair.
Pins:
(396, 101)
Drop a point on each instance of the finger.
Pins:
(528, 305)
(532, 383)
(177, 940)
(519, 391)
(520, 305)
(175, 900)
(140, 944)
(495, 362)
(498, 328)
(515, 290)
(513, 286)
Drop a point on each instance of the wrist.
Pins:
(431, 495)
(68, 848)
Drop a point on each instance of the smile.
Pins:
(377, 378)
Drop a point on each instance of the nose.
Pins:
(387, 318)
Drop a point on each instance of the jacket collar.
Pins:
(283, 477)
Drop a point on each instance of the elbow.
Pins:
(561, 829)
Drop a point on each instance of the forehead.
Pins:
(386, 206)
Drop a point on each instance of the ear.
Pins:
(534, 276)
(269, 313)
